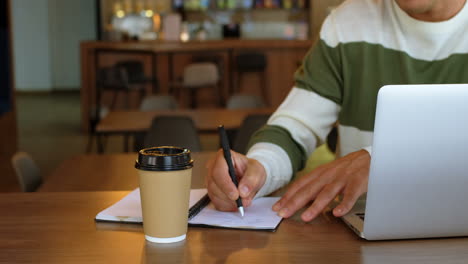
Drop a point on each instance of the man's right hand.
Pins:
(223, 193)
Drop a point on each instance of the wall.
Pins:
(47, 34)
(71, 22)
(31, 44)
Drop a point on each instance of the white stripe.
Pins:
(165, 239)
(383, 22)
(308, 116)
(352, 139)
(276, 163)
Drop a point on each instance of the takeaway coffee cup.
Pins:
(165, 175)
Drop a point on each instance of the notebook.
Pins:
(258, 216)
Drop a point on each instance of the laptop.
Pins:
(418, 179)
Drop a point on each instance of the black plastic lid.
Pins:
(165, 158)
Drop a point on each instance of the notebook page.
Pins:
(257, 216)
(129, 208)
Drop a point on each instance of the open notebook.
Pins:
(202, 213)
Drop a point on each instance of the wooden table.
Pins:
(206, 120)
(60, 228)
(110, 172)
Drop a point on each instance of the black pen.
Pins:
(227, 156)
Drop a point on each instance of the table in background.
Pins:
(206, 120)
(60, 228)
(109, 172)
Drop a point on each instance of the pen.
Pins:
(227, 156)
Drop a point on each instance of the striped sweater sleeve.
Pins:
(302, 121)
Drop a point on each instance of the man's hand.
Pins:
(223, 193)
(348, 176)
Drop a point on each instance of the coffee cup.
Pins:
(165, 175)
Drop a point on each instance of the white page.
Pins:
(129, 208)
(257, 216)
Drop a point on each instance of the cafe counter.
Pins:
(165, 61)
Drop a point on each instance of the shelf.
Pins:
(246, 10)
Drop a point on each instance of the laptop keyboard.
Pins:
(361, 215)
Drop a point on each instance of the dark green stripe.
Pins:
(352, 73)
(281, 137)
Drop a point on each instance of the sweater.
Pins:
(363, 45)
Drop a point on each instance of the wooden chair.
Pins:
(158, 102)
(173, 131)
(151, 103)
(242, 101)
(135, 74)
(251, 62)
(197, 76)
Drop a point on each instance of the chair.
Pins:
(173, 131)
(250, 124)
(108, 79)
(215, 59)
(158, 102)
(27, 172)
(123, 77)
(241, 101)
(251, 62)
(151, 103)
(197, 76)
(135, 74)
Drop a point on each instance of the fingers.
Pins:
(328, 193)
(352, 192)
(301, 198)
(295, 187)
(220, 176)
(220, 200)
(347, 175)
(221, 189)
(252, 180)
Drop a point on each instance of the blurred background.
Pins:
(53, 93)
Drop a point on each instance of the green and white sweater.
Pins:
(364, 44)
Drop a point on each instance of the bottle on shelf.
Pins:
(259, 4)
(287, 4)
(247, 4)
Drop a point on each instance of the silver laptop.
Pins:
(418, 181)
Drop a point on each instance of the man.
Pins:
(364, 44)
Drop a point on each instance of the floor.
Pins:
(49, 130)
(48, 126)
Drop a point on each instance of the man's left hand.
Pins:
(348, 176)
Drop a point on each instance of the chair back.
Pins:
(27, 172)
(251, 62)
(245, 101)
(213, 58)
(199, 74)
(111, 78)
(250, 124)
(153, 103)
(158, 102)
(133, 69)
(173, 131)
